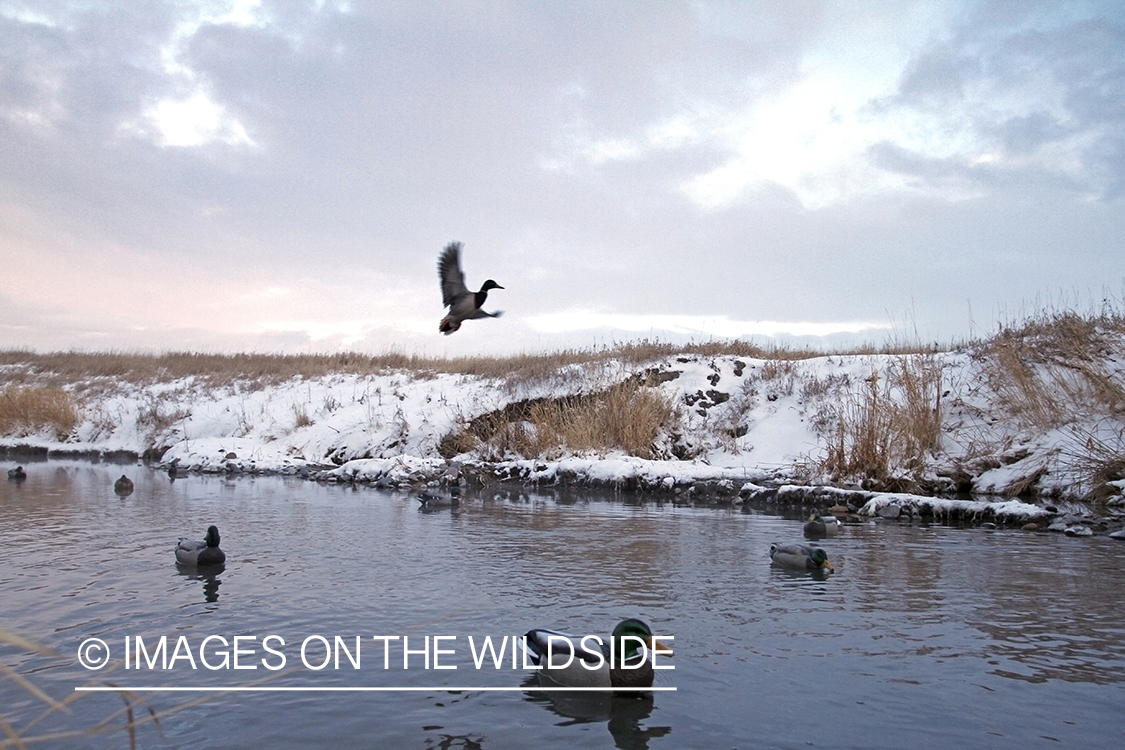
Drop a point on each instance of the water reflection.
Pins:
(622, 712)
(1014, 634)
(462, 741)
(209, 576)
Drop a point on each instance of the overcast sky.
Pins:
(281, 176)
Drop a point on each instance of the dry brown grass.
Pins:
(24, 367)
(1052, 368)
(29, 410)
(627, 416)
(883, 435)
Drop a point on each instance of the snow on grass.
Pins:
(736, 418)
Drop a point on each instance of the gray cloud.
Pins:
(556, 141)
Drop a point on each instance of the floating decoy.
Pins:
(123, 486)
(200, 554)
(818, 525)
(463, 305)
(438, 500)
(633, 671)
(17, 473)
(799, 557)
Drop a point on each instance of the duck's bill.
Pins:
(828, 565)
(660, 648)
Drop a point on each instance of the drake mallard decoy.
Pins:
(123, 486)
(206, 552)
(635, 674)
(17, 473)
(438, 500)
(818, 525)
(463, 305)
(799, 557)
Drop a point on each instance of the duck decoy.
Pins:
(632, 666)
(201, 553)
(123, 486)
(438, 500)
(463, 305)
(799, 557)
(819, 526)
(17, 474)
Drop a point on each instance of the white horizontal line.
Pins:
(441, 689)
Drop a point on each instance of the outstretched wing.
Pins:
(449, 273)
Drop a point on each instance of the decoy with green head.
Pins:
(201, 553)
(818, 525)
(799, 557)
(584, 661)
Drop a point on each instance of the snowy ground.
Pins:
(737, 420)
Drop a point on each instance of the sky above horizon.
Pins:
(281, 176)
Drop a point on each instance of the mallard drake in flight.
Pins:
(206, 552)
(123, 486)
(17, 473)
(799, 557)
(463, 305)
(634, 672)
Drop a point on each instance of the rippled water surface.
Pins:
(924, 637)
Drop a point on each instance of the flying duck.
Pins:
(632, 666)
(200, 554)
(463, 305)
(123, 486)
(799, 557)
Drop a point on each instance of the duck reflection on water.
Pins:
(622, 712)
(209, 576)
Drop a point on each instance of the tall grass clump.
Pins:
(627, 416)
(1053, 367)
(882, 435)
(30, 410)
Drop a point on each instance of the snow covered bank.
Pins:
(970, 421)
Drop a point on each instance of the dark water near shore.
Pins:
(925, 637)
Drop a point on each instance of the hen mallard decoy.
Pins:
(200, 554)
(463, 305)
(799, 557)
(123, 486)
(17, 473)
(635, 672)
(818, 525)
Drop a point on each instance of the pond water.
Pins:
(924, 637)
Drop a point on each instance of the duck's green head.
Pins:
(816, 516)
(637, 629)
(212, 537)
(820, 557)
(490, 284)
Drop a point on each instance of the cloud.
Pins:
(700, 166)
